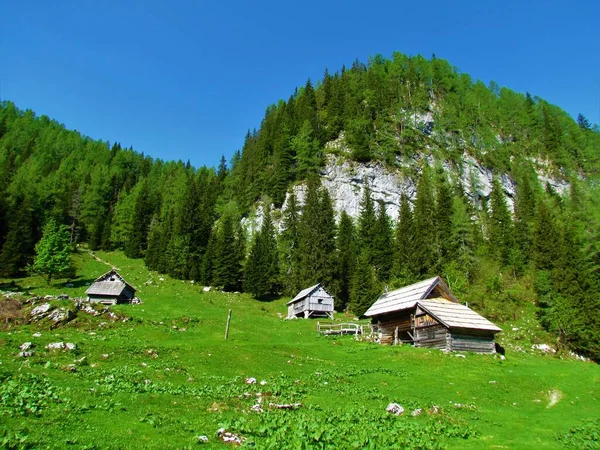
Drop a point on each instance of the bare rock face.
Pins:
(40, 311)
(345, 180)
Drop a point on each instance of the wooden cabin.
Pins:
(314, 301)
(427, 314)
(110, 289)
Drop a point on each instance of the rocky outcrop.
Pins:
(345, 181)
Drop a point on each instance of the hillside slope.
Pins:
(166, 376)
(501, 197)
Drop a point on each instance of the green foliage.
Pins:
(584, 437)
(262, 268)
(52, 252)
(365, 286)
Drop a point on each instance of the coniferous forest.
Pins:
(420, 116)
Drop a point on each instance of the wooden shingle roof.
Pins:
(304, 293)
(456, 316)
(111, 284)
(407, 296)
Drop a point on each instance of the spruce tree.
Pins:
(367, 222)
(501, 227)
(365, 287)
(383, 248)
(443, 220)
(227, 263)
(403, 268)
(262, 268)
(137, 241)
(289, 247)
(424, 255)
(347, 255)
(316, 232)
(18, 247)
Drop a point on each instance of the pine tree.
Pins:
(443, 219)
(316, 232)
(347, 255)
(367, 222)
(289, 247)
(262, 268)
(383, 248)
(365, 288)
(18, 247)
(403, 269)
(227, 263)
(52, 252)
(424, 256)
(501, 226)
(136, 244)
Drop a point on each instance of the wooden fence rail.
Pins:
(339, 328)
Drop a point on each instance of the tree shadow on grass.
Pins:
(76, 283)
(11, 286)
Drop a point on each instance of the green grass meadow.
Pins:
(166, 376)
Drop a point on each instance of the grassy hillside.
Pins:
(166, 376)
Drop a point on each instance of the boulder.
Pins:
(395, 408)
(56, 346)
(40, 311)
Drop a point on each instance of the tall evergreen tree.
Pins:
(262, 268)
(443, 220)
(289, 247)
(136, 244)
(227, 262)
(365, 287)
(403, 269)
(367, 222)
(424, 256)
(383, 248)
(347, 255)
(501, 226)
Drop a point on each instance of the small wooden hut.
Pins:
(314, 301)
(428, 315)
(110, 289)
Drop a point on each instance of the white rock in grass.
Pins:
(416, 412)
(202, 439)
(56, 346)
(251, 380)
(69, 346)
(26, 346)
(458, 355)
(263, 382)
(395, 408)
(39, 311)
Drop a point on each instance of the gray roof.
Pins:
(454, 315)
(106, 288)
(407, 297)
(304, 293)
(111, 283)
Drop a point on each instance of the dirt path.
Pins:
(93, 255)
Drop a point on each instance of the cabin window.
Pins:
(320, 301)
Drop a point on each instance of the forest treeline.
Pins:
(186, 221)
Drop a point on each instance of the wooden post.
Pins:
(396, 336)
(227, 327)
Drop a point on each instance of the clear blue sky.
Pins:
(187, 79)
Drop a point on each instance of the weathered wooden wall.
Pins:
(470, 343)
(387, 328)
(432, 336)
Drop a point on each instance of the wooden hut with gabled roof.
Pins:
(110, 289)
(314, 301)
(428, 315)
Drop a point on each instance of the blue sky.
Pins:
(187, 79)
